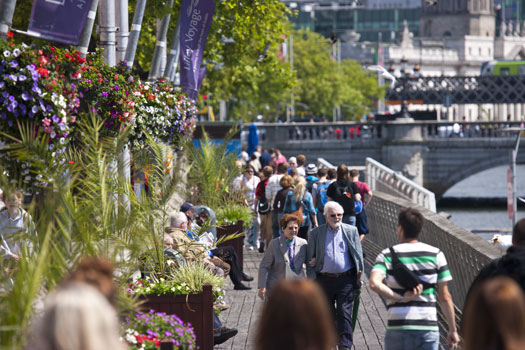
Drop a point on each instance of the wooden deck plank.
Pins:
(246, 308)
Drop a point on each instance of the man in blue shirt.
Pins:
(335, 258)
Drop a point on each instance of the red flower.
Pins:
(43, 72)
(81, 60)
(52, 48)
(10, 35)
(42, 60)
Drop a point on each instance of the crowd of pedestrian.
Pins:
(310, 225)
(322, 222)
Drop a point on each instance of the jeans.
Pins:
(321, 220)
(251, 239)
(414, 340)
(350, 220)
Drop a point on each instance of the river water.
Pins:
(487, 184)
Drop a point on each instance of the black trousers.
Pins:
(228, 255)
(341, 292)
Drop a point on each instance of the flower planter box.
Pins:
(196, 309)
(236, 243)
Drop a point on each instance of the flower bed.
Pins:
(145, 331)
(48, 91)
(196, 309)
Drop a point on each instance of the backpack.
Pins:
(264, 206)
(322, 197)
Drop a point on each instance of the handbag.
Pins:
(403, 275)
(264, 206)
(299, 214)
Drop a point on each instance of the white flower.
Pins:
(7, 53)
(16, 52)
(53, 134)
(62, 140)
(50, 147)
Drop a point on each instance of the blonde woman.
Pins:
(300, 197)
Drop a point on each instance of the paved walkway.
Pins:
(246, 308)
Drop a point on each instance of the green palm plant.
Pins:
(212, 171)
(77, 212)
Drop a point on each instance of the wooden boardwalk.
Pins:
(246, 308)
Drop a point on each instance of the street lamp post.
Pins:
(404, 108)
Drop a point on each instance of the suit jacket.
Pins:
(316, 248)
(276, 261)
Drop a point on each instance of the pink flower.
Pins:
(46, 122)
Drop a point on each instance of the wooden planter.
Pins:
(196, 309)
(236, 243)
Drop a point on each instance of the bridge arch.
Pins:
(463, 172)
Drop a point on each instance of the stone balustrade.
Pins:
(384, 179)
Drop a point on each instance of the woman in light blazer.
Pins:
(284, 257)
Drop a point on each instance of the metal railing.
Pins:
(384, 179)
(271, 133)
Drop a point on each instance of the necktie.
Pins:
(291, 253)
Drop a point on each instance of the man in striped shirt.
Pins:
(412, 315)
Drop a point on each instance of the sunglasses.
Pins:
(335, 215)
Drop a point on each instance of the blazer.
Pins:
(276, 261)
(316, 248)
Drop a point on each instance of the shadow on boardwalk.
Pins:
(246, 308)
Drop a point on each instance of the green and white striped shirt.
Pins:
(430, 265)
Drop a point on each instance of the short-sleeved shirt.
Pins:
(343, 192)
(363, 188)
(430, 265)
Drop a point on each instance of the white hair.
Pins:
(177, 219)
(332, 205)
(77, 316)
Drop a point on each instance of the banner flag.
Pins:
(195, 21)
(59, 20)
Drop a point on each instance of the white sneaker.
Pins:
(250, 247)
(258, 244)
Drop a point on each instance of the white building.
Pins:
(457, 37)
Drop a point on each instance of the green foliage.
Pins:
(78, 213)
(230, 214)
(212, 172)
(323, 83)
(195, 277)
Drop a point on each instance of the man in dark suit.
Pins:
(335, 258)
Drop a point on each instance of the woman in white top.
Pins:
(249, 183)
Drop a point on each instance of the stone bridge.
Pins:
(436, 155)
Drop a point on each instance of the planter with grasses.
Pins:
(187, 293)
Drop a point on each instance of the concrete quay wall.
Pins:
(466, 253)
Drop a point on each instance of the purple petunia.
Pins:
(13, 77)
(22, 77)
(34, 109)
(62, 126)
(13, 64)
(2, 84)
(104, 94)
(5, 94)
(26, 96)
(116, 87)
(55, 118)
